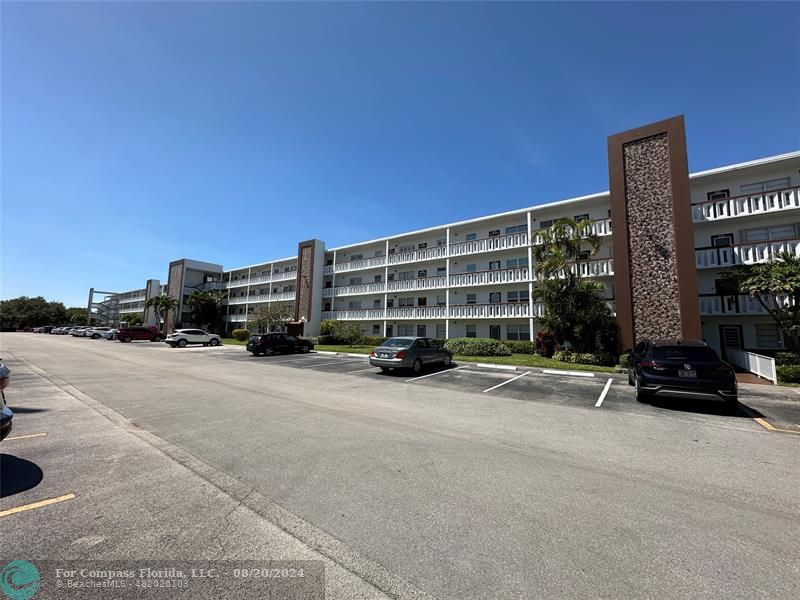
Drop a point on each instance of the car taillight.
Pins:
(372, 354)
(653, 365)
(401, 354)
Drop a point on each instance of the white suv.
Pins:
(182, 337)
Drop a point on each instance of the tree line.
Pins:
(22, 312)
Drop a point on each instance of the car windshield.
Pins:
(396, 343)
(689, 353)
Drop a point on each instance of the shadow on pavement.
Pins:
(17, 475)
(25, 409)
(705, 407)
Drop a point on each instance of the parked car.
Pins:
(409, 353)
(111, 334)
(60, 330)
(678, 369)
(182, 337)
(277, 343)
(80, 330)
(6, 416)
(97, 332)
(139, 332)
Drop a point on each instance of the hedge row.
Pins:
(787, 358)
(240, 334)
(788, 373)
(477, 347)
(585, 358)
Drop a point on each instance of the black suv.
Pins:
(677, 369)
(277, 343)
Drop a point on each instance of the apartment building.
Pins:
(476, 278)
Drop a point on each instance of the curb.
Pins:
(501, 367)
(356, 355)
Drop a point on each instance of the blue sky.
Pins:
(136, 134)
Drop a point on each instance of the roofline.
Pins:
(539, 207)
(260, 264)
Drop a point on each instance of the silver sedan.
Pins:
(409, 353)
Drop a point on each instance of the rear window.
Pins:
(396, 343)
(685, 353)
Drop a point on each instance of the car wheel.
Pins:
(127, 339)
(416, 366)
(630, 376)
(306, 349)
(214, 342)
(96, 337)
(158, 338)
(254, 353)
(181, 343)
(447, 360)
(172, 345)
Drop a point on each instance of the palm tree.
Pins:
(207, 307)
(162, 305)
(562, 244)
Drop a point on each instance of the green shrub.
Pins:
(787, 358)
(373, 340)
(584, 358)
(347, 332)
(477, 347)
(623, 360)
(240, 334)
(521, 347)
(788, 373)
(327, 340)
(326, 326)
(563, 356)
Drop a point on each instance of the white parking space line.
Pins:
(494, 387)
(332, 362)
(574, 373)
(362, 370)
(604, 392)
(432, 374)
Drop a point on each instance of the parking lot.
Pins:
(470, 482)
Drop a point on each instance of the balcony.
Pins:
(741, 304)
(421, 283)
(747, 205)
(355, 265)
(496, 277)
(254, 299)
(417, 312)
(261, 279)
(236, 318)
(283, 276)
(354, 290)
(356, 314)
(490, 311)
(744, 254)
(490, 244)
(420, 255)
(600, 227)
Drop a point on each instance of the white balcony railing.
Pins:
(519, 275)
(354, 290)
(744, 254)
(741, 304)
(750, 204)
(763, 366)
(420, 283)
(355, 265)
(501, 242)
(282, 296)
(417, 312)
(354, 314)
(418, 255)
(284, 276)
(256, 298)
(236, 318)
(489, 311)
(600, 227)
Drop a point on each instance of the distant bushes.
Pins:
(787, 358)
(240, 334)
(788, 373)
(521, 347)
(545, 344)
(477, 347)
(585, 358)
(623, 360)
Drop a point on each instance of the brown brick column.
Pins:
(655, 279)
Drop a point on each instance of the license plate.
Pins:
(688, 374)
(384, 355)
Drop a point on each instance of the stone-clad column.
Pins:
(655, 280)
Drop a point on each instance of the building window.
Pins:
(718, 195)
(378, 278)
(354, 304)
(404, 329)
(546, 223)
(356, 281)
(494, 265)
(583, 217)
(405, 301)
(494, 233)
(405, 275)
(441, 242)
(390, 303)
(521, 296)
(422, 273)
(441, 331)
(518, 332)
(472, 268)
(494, 298)
(376, 329)
(471, 237)
(356, 256)
(765, 186)
(513, 263)
(378, 253)
(767, 336)
(516, 229)
(471, 331)
(494, 332)
(327, 306)
(406, 248)
(422, 301)
(441, 300)
(376, 303)
(441, 270)
(776, 232)
(472, 298)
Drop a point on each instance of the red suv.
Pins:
(128, 334)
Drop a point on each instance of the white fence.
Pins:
(763, 366)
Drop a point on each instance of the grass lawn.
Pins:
(233, 342)
(522, 360)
